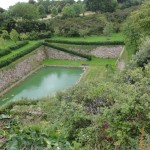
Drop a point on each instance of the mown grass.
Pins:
(94, 38)
(96, 68)
(72, 47)
(93, 62)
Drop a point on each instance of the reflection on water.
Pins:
(43, 83)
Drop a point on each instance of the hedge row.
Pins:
(4, 52)
(68, 51)
(86, 43)
(18, 45)
(19, 55)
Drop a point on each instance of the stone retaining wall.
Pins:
(28, 64)
(56, 54)
(107, 51)
(21, 69)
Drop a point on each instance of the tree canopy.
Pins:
(24, 11)
(101, 5)
(138, 25)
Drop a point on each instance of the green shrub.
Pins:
(86, 43)
(36, 36)
(68, 51)
(18, 45)
(142, 57)
(4, 52)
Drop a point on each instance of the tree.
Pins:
(101, 5)
(69, 2)
(68, 11)
(32, 2)
(83, 9)
(41, 10)
(142, 57)
(137, 26)
(5, 35)
(129, 3)
(23, 36)
(59, 9)
(2, 42)
(54, 11)
(49, 8)
(2, 10)
(108, 29)
(77, 8)
(24, 11)
(14, 35)
(84, 32)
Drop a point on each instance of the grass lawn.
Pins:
(72, 47)
(94, 38)
(96, 68)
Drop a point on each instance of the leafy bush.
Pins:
(142, 57)
(37, 137)
(5, 35)
(18, 45)
(25, 26)
(68, 51)
(93, 23)
(39, 35)
(4, 52)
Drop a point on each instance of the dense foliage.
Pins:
(106, 114)
(100, 5)
(137, 26)
(110, 113)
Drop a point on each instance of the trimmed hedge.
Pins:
(18, 45)
(68, 51)
(19, 55)
(86, 43)
(4, 52)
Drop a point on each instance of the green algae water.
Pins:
(44, 82)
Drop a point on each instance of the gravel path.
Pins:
(121, 65)
(107, 51)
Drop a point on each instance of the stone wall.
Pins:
(29, 64)
(21, 69)
(107, 51)
(56, 54)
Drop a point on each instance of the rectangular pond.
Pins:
(44, 82)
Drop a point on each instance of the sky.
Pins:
(6, 3)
